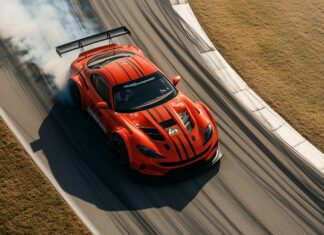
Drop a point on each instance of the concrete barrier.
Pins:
(245, 95)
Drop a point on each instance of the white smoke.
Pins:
(39, 26)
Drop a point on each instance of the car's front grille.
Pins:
(185, 118)
(153, 133)
(168, 123)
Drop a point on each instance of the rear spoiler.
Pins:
(80, 43)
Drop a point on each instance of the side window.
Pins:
(101, 87)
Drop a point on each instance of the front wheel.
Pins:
(118, 151)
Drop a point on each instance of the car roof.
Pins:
(127, 69)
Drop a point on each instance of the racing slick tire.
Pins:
(118, 151)
(74, 94)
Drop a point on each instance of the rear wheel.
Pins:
(118, 151)
(75, 94)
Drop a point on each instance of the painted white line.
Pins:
(49, 176)
(246, 96)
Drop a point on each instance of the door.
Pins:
(99, 92)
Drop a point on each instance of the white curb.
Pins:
(246, 96)
(5, 117)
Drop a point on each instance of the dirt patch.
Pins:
(278, 49)
(29, 203)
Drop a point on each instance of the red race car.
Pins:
(153, 127)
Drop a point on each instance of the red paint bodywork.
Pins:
(185, 148)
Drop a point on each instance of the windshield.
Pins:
(143, 93)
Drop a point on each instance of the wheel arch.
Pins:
(124, 135)
(207, 111)
(76, 80)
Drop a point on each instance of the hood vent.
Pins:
(168, 123)
(186, 120)
(153, 133)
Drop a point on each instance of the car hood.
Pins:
(174, 129)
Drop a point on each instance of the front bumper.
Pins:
(195, 165)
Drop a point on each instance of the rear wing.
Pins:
(80, 43)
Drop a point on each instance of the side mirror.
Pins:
(102, 105)
(176, 80)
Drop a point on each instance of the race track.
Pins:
(260, 186)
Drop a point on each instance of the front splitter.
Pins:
(181, 173)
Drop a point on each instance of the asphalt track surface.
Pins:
(260, 186)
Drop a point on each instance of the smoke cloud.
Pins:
(39, 26)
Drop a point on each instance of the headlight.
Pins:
(208, 133)
(149, 152)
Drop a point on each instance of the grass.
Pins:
(278, 49)
(29, 203)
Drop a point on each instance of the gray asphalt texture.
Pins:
(260, 186)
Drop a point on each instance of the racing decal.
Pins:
(135, 84)
(111, 75)
(177, 149)
(124, 70)
(173, 131)
(158, 113)
(94, 114)
(175, 145)
(183, 147)
(184, 131)
(142, 57)
(136, 65)
(149, 112)
(126, 61)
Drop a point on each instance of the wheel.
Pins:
(74, 94)
(118, 151)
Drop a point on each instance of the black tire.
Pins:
(74, 94)
(118, 151)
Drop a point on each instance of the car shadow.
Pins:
(76, 151)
